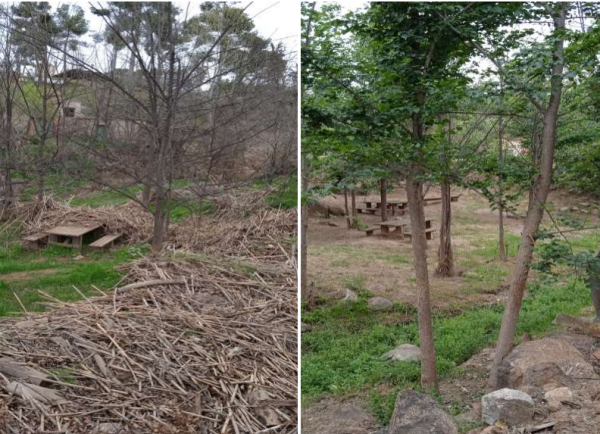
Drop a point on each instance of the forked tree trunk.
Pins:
(414, 191)
(445, 266)
(537, 200)
(501, 241)
(383, 200)
(348, 219)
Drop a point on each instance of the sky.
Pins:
(275, 19)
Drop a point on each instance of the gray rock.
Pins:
(545, 377)
(415, 413)
(305, 327)
(350, 296)
(538, 352)
(404, 353)
(512, 407)
(559, 394)
(380, 303)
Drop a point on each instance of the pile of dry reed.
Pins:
(186, 347)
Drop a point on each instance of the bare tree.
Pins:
(160, 127)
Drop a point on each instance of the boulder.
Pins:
(510, 406)
(559, 394)
(556, 397)
(540, 352)
(404, 353)
(545, 377)
(380, 303)
(327, 206)
(350, 296)
(416, 413)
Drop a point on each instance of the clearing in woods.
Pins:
(346, 385)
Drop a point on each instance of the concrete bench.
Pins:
(368, 210)
(106, 241)
(369, 231)
(428, 234)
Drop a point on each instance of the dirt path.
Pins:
(27, 275)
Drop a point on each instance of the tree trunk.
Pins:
(304, 178)
(305, 291)
(445, 266)
(158, 234)
(348, 219)
(146, 194)
(8, 182)
(354, 211)
(383, 200)
(414, 191)
(501, 241)
(537, 200)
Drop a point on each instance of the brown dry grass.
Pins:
(341, 258)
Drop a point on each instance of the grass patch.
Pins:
(96, 269)
(106, 197)
(343, 352)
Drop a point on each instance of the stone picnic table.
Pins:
(397, 206)
(398, 228)
(374, 205)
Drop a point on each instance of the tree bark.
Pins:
(305, 291)
(304, 178)
(383, 200)
(348, 219)
(354, 211)
(146, 194)
(501, 241)
(445, 266)
(537, 200)
(414, 191)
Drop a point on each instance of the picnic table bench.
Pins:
(36, 241)
(71, 236)
(399, 228)
(369, 230)
(106, 241)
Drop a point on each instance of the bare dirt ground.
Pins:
(26, 275)
(339, 258)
